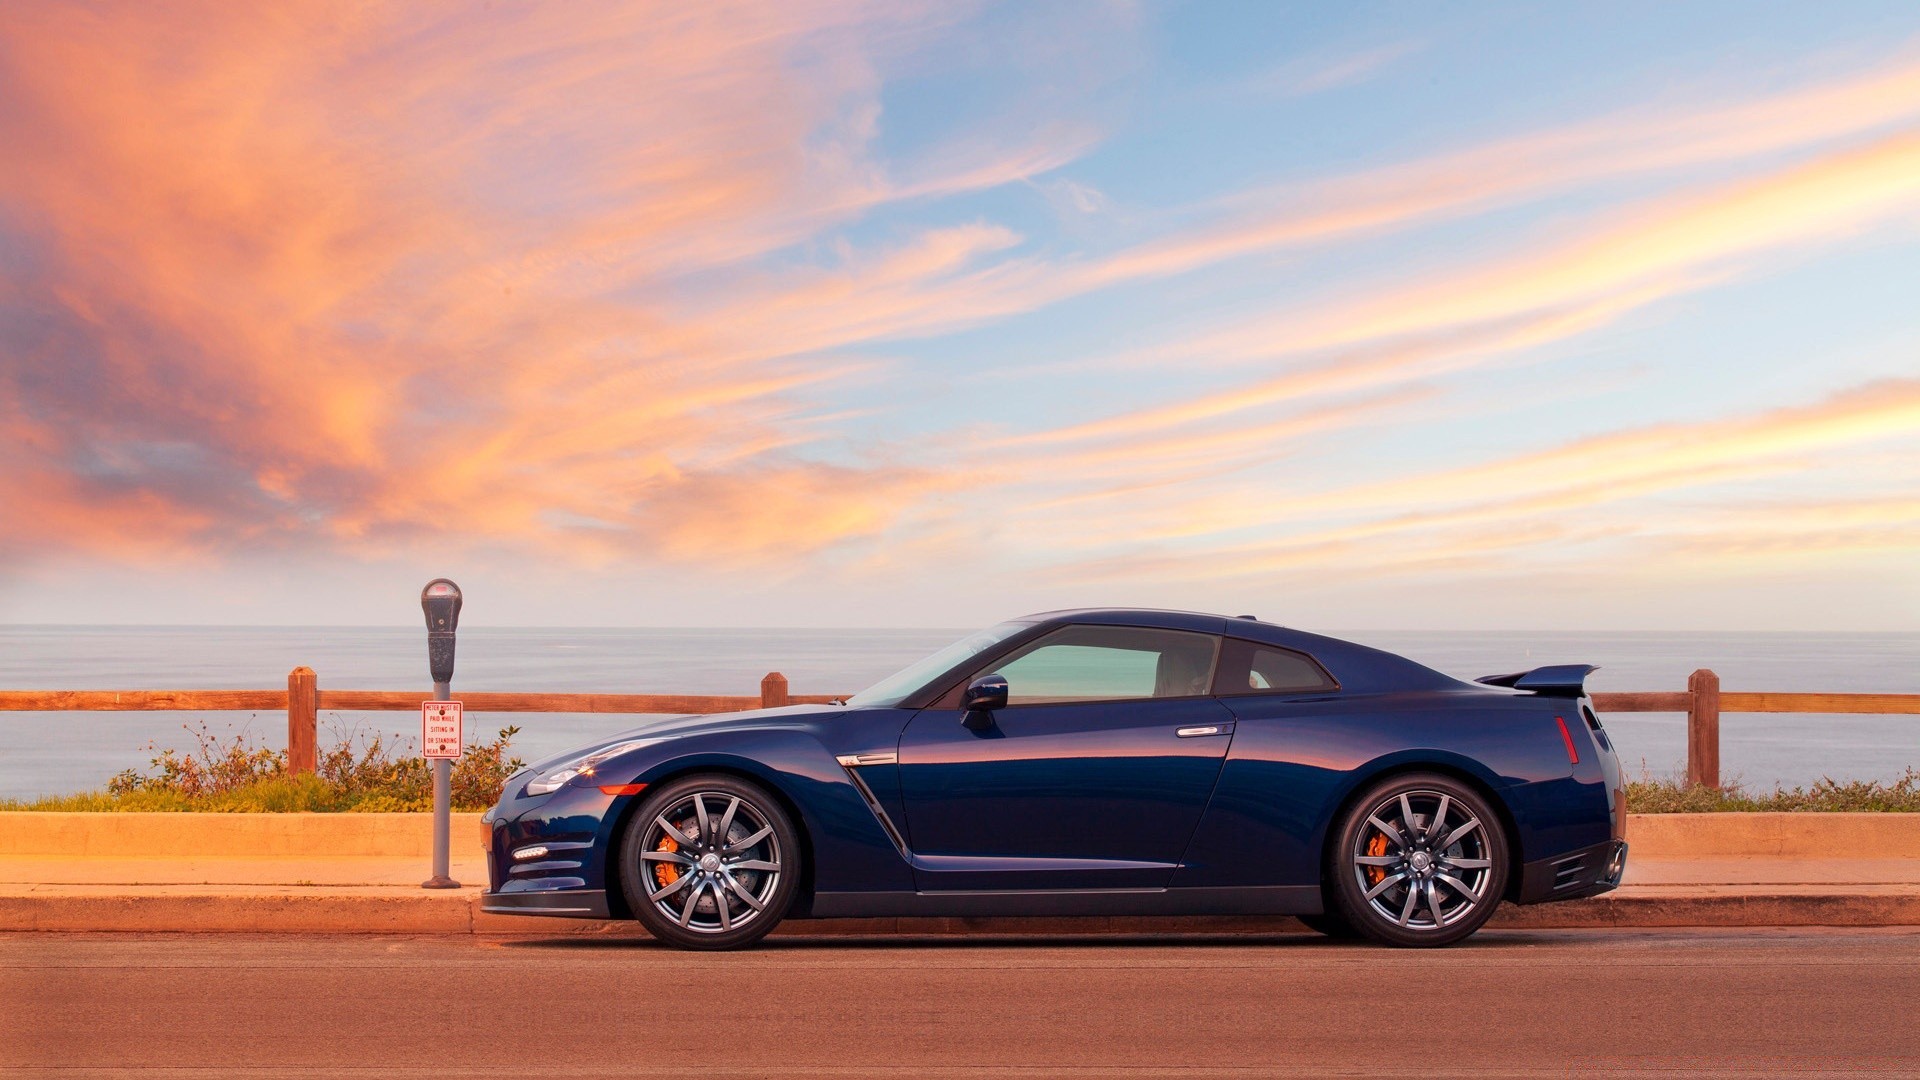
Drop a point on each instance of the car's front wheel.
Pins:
(710, 862)
(1420, 859)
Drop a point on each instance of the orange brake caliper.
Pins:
(664, 872)
(1377, 846)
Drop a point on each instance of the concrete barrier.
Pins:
(374, 911)
(356, 873)
(1774, 836)
(167, 836)
(162, 836)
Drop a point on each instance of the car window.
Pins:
(1109, 663)
(1270, 671)
(895, 688)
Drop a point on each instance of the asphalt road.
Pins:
(1508, 1003)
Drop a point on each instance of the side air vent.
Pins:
(1570, 873)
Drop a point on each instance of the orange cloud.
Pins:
(305, 274)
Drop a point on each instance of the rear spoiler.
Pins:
(1560, 680)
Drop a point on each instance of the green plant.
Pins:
(1650, 795)
(356, 773)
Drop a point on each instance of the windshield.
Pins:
(893, 689)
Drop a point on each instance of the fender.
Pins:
(1431, 758)
(1292, 766)
(849, 849)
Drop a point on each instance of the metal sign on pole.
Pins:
(440, 730)
(440, 718)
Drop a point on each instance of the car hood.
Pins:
(677, 727)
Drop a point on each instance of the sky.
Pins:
(1394, 316)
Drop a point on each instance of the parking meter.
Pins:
(441, 602)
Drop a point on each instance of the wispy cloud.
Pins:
(1315, 74)
(1439, 187)
(1484, 314)
(1506, 503)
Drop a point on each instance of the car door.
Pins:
(1093, 776)
(1292, 748)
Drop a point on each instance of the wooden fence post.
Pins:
(773, 690)
(303, 701)
(1703, 730)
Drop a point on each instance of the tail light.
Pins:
(1573, 755)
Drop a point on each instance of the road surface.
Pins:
(1542, 1003)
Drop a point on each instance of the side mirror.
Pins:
(983, 696)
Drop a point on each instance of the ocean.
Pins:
(63, 752)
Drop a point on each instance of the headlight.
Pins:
(552, 783)
(582, 766)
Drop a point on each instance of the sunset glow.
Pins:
(846, 313)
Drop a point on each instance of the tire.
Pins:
(710, 862)
(1420, 860)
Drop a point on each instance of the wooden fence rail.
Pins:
(1702, 701)
(303, 699)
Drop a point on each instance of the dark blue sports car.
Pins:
(1097, 762)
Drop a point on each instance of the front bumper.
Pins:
(1589, 871)
(571, 904)
(572, 829)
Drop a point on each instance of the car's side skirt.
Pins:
(567, 904)
(1262, 900)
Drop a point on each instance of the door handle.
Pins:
(1202, 730)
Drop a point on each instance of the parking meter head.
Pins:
(441, 601)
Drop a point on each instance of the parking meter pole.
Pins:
(440, 600)
(442, 805)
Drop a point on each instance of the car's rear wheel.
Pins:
(710, 862)
(1421, 859)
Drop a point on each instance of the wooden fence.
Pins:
(303, 699)
(1702, 701)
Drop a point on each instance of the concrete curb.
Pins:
(391, 911)
(149, 836)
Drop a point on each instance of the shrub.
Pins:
(357, 773)
(1648, 795)
(216, 769)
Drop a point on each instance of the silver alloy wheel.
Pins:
(1423, 860)
(713, 862)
